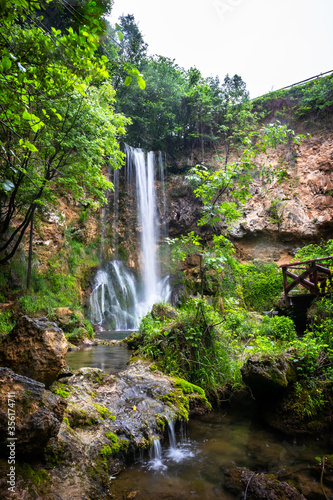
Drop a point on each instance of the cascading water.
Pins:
(119, 299)
(179, 450)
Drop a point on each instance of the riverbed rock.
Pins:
(259, 486)
(267, 376)
(37, 413)
(109, 420)
(35, 348)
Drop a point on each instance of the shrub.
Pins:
(279, 328)
(6, 322)
(194, 345)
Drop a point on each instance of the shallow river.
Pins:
(193, 469)
(190, 465)
(111, 358)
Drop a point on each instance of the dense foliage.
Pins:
(180, 109)
(57, 121)
(311, 101)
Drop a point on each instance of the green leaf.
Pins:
(26, 115)
(6, 63)
(128, 81)
(30, 146)
(141, 83)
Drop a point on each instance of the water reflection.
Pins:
(111, 358)
(113, 334)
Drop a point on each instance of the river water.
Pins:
(194, 469)
(190, 464)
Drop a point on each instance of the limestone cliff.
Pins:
(279, 217)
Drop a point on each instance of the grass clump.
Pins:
(7, 322)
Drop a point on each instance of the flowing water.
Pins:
(191, 467)
(111, 358)
(119, 298)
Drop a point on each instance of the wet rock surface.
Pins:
(107, 421)
(259, 486)
(35, 348)
(37, 413)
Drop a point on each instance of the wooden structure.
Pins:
(314, 275)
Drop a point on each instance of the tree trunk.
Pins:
(30, 249)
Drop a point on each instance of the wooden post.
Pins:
(285, 284)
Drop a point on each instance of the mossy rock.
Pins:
(163, 311)
(79, 418)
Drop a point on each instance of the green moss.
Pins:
(99, 472)
(97, 377)
(104, 412)
(117, 445)
(187, 387)
(38, 477)
(62, 390)
(79, 418)
(178, 400)
(66, 421)
(160, 421)
(54, 454)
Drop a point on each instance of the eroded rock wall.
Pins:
(280, 217)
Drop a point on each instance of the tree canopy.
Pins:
(58, 127)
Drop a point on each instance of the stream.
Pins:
(193, 468)
(189, 464)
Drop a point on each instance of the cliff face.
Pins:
(279, 217)
(276, 221)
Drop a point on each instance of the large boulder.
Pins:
(266, 376)
(35, 348)
(35, 412)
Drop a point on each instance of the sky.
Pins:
(269, 43)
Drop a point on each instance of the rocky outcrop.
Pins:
(36, 414)
(35, 348)
(259, 486)
(280, 217)
(107, 420)
(285, 402)
(267, 376)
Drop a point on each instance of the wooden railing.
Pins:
(315, 278)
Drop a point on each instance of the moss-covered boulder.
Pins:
(163, 311)
(267, 375)
(259, 486)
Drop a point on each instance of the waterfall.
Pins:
(178, 451)
(119, 298)
(155, 453)
(146, 203)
